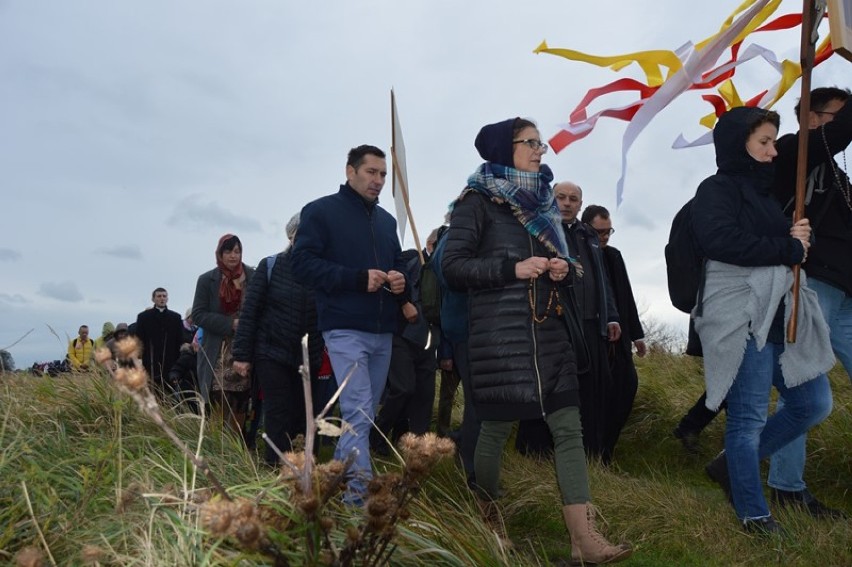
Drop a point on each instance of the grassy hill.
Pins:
(87, 479)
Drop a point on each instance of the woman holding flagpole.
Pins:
(750, 247)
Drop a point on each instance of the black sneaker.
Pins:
(806, 501)
(688, 438)
(763, 526)
(717, 470)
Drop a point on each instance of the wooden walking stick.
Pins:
(812, 13)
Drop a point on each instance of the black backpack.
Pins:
(684, 262)
(430, 294)
(430, 287)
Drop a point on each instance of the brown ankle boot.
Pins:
(588, 546)
(493, 518)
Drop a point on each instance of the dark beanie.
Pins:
(494, 142)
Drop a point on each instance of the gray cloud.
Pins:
(192, 213)
(635, 217)
(61, 291)
(15, 299)
(129, 252)
(9, 255)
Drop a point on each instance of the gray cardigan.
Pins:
(739, 301)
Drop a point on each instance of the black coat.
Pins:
(592, 259)
(161, 334)
(631, 326)
(519, 369)
(831, 218)
(277, 312)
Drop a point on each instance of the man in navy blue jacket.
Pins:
(348, 251)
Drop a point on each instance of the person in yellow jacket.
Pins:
(106, 335)
(80, 350)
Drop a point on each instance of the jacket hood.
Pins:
(494, 142)
(729, 139)
(107, 329)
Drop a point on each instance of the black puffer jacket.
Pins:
(276, 314)
(519, 369)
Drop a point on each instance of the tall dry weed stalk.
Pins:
(328, 536)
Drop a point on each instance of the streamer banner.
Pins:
(692, 67)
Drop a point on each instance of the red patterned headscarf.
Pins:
(231, 286)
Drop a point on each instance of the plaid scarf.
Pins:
(530, 197)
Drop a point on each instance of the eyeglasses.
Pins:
(534, 145)
(605, 231)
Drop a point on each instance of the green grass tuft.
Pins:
(103, 482)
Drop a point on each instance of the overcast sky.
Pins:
(134, 134)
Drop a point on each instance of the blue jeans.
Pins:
(359, 399)
(750, 436)
(787, 466)
(837, 309)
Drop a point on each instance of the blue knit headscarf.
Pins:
(528, 194)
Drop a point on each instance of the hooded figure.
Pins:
(106, 334)
(750, 246)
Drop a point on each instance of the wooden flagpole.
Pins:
(811, 14)
(397, 177)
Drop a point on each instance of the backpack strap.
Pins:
(270, 263)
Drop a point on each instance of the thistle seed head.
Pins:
(103, 355)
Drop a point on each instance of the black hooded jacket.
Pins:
(735, 217)
(829, 211)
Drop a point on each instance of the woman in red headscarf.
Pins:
(216, 309)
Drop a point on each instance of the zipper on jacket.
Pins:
(376, 256)
(534, 339)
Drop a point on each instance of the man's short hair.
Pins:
(356, 155)
(154, 293)
(593, 211)
(822, 96)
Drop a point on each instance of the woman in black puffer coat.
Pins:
(507, 248)
(278, 311)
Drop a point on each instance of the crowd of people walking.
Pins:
(538, 323)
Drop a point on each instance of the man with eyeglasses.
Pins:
(596, 305)
(828, 206)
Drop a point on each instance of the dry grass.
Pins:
(107, 488)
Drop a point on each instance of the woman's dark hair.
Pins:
(762, 118)
(229, 245)
(520, 124)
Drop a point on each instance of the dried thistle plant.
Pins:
(311, 487)
(131, 378)
(29, 557)
(389, 496)
(236, 519)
